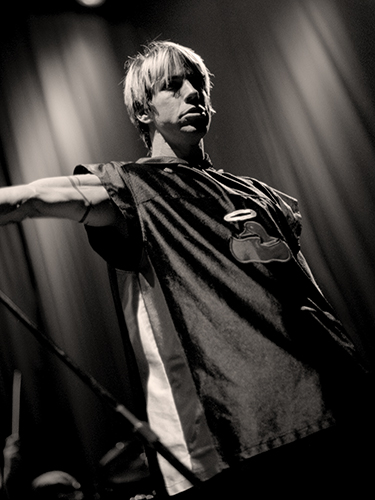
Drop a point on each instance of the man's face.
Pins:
(180, 110)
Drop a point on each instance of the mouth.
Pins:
(195, 110)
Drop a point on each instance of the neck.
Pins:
(189, 153)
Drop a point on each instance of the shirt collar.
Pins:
(203, 164)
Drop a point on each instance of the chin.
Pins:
(198, 127)
(194, 129)
(193, 134)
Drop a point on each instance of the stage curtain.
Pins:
(61, 105)
(300, 82)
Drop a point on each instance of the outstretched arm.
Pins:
(80, 198)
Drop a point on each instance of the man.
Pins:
(233, 339)
(56, 484)
(49, 485)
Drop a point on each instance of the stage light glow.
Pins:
(91, 3)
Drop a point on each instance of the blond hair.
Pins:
(148, 71)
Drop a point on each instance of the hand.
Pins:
(12, 448)
(12, 460)
(13, 203)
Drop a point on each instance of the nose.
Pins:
(190, 93)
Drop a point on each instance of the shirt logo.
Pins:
(254, 244)
(243, 214)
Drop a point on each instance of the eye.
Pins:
(173, 84)
(197, 82)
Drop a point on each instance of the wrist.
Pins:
(15, 202)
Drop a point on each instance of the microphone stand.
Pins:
(141, 429)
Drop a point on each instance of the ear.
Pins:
(145, 117)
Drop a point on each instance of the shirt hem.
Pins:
(290, 437)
